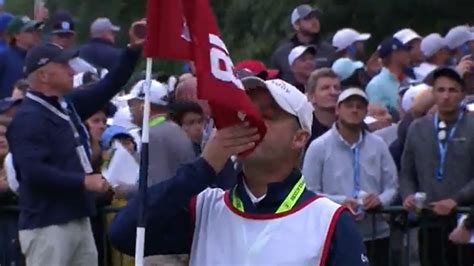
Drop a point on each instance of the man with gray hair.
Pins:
(100, 50)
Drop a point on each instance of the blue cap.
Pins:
(5, 18)
(345, 67)
(390, 45)
(113, 132)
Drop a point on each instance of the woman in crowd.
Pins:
(190, 117)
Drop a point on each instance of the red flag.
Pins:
(187, 29)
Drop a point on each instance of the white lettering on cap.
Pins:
(43, 61)
(65, 25)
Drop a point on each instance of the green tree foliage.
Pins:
(253, 29)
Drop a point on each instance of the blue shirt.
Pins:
(11, 69)
(383, 89)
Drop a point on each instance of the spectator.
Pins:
(350, 44)
(46, 139)
(435, 50)
(354, 168)
(62, 30)
(19, 89)
(118, 134)
(322, 90)
(190, 117)
(5, 18)
(412, 40)
(285, 110)
(100, 50)
(457, 40)
(305, 22)
(438, 160)
(22, 34)
(175, 147)
(257, 68)
(383, 89)
(301, 60)
(351, 73)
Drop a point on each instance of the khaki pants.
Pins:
(70, 244)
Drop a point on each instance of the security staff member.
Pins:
(268, 218)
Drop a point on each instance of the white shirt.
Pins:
(423, 70)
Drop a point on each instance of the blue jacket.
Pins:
(100, 53)
(42, 144)
(11, 69)
(168, 219)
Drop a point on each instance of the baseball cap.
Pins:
(347, 93)
(303, 11)
(287, 96)
(103, 24)
(113, 132)
(5, 18)
(44, 54)
(21, 24)
(7, 103)
(431, 44)
(406, 35)
(457, 36)
(390, 45)
(299, 51)
(62, 22)
(412, 94)
(346, 37)
(345, 67)
(159, 94)
(257, 68)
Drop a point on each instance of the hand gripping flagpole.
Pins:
(142, 185)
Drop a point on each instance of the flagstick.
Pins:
(142, 185)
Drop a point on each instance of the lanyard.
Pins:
(356, 169)
(443, 147)
(156, 121)
(286, 205)
(80, 150)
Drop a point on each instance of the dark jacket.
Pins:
(169, 217)
(100, 53)
(42, 144)
(11, 69)
(325, 55)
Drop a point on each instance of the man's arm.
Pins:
(347, 247)
(408, 176)
(389, 178)
(465, 196)
(31, 150)
(88, 101)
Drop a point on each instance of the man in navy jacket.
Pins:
(51, 155)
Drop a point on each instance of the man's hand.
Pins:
(350, 203)
(96, 183)
(460, 235)
(465, 65)
(136, 42)
(410, 203)
(371, 201)
(227, 142)
(444, 207)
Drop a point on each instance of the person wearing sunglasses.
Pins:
(438, 160)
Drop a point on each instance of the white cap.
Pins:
(159, 94)
(103, 24)
(346, 37)
(457, 36)
(344, 67)
(299, 51)
(287, 96)
(406, 35)
(411, 94)
(347, 93)
(431, 44)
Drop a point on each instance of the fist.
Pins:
(95, 183)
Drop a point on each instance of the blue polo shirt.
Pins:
(383, 89)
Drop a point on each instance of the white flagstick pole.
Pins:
(142, 185)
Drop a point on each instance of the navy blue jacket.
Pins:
(11, 69)
(168, 220)
(100, 53)
(42, 144)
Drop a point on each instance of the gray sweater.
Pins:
(420, 162)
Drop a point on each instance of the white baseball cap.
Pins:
(347, 93)
(287, 96)
(412, 94)
(303, 11)
(299, 51)
(457, 36)
(103, 24)
(346, 37)
(406, 35)
(159, 94)
(431, 44)
(345, 67)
